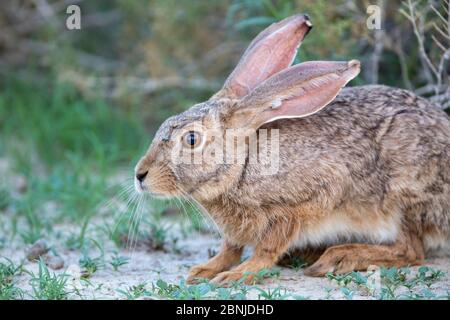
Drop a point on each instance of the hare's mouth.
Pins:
(142, 188)
(156, 183)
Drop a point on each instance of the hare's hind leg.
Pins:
(407, 250)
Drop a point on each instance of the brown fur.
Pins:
(367, 177)
(407, 250)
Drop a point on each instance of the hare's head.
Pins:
(188, 154)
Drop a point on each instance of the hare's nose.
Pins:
(141, 176)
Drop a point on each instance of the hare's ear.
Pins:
(273, 50)
(298, 91)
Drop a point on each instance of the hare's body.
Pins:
(363, 174)
(375, 161)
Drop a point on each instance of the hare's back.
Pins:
(371, 118)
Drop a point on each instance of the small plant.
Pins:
(158, 235)
(237, 293)
(261, 275)
(344, 280)
(182, 291)
(135, 292)
(348, 294)
(48, 286)
(117, 261)
(116, 231)
(164, 289)
(297, 263)
(31, 235)
(273, 294)
(428, 276)
(8, 290)
(78, 241)
(8, 270)
(90, 265)
(5, 199)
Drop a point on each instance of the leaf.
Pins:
(161, 284)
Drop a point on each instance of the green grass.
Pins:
(8, 273)
(59, 124)
(68, 148)
(5, 198)
(182, 291)
(118, 261)
(135, 292)
(47, 285)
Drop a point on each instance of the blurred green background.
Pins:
(79, 107)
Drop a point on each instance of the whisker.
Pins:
(108, 204)
(139, 211)
(142, 207)
(131, 198)
(200, 209)
(184, 209)
(131, 228)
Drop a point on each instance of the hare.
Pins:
(363, 176)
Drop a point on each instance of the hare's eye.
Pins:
(192, 139)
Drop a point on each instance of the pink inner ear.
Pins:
(271, 56)
(306, 101)
(272, 51)
(316, 91)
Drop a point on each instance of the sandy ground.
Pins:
(147, 267)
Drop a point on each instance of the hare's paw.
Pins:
(201, 271)
(227, 278)
(334, 260)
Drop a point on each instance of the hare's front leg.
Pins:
(228, 256)
(273, 244)
(407, 250)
